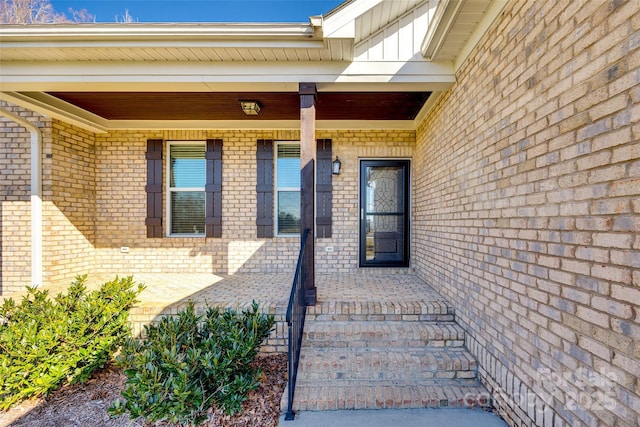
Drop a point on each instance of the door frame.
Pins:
(407, 211)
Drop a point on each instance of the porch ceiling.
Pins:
(226, 105)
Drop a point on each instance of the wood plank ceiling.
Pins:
(226, 105)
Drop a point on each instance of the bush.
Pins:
(45, 343)
(190, 362)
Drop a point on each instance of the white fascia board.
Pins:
(441, 83)
(259, 125)
(76, 33)
(48, 76)
(395, 86)
(264, 43)
(161, 86)
(203, 124)
(495, 9)
(342, 23)
(58, 109)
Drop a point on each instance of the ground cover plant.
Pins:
(46, 342)
(190, 363)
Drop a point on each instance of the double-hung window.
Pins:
(287, 189)
(186, 199)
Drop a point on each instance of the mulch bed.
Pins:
(86, 404)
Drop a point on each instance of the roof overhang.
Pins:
(39, 62)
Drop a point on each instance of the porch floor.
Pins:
(273, 289)
(341, 296)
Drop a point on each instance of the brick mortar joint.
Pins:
(497, 388)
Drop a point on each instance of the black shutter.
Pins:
(323, 188)
(213, 189)
(154, 188)
(264, 188)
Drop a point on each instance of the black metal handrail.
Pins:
(296, 312)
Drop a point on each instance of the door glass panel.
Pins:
(384, 217)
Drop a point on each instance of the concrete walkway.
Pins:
(395, 417)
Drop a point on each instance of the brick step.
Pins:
(348, 364)
(388, 394)
(436, 310)
(385, 334)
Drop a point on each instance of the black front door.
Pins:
(384, 213)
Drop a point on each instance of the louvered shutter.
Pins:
(264, 188)
(323, 188)
(154, 187)
(213, 188)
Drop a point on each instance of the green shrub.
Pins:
(45, 343)
(189, 362)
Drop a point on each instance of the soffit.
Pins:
(470, 14)
(331, 50)
(454, 27)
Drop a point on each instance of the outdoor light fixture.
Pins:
(336, 166)
(250, 108)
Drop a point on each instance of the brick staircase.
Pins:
(374, 355)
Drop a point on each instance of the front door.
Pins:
(384, 213)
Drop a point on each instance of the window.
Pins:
(186, 201)
(287, 203)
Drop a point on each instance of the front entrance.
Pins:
(384, 213)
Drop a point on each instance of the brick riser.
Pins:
(409, 311)
(392, 364)
(375, 355)
(318, 396)
(382, 334)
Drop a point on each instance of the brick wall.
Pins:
(94, 203)
(69, 215)
(528, 210)
(121, 205)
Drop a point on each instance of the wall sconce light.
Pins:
(336, 164)
(250, 108)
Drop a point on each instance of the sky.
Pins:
(200, 10)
